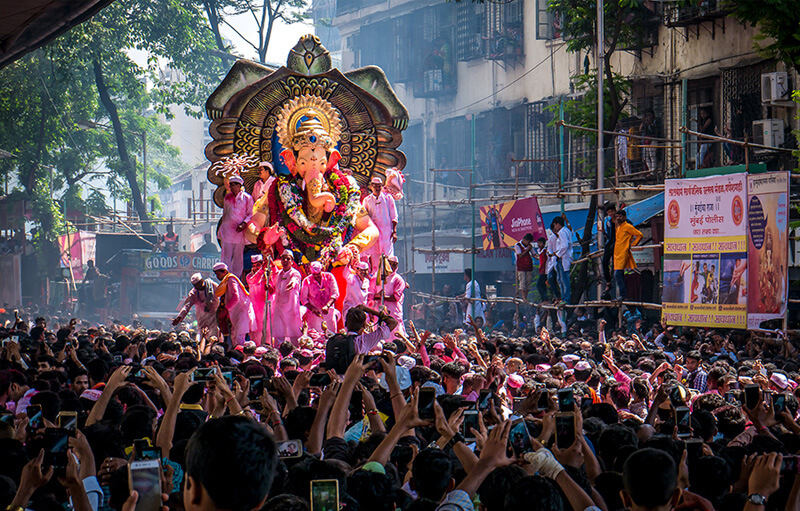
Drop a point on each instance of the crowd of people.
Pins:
(98, 417)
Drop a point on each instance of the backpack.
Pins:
(340, 351)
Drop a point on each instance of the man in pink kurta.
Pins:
(356, 277)
(393, 293)
(256, 284)
(205, 304)
(383, 212)
(237, 210)
(287, 319)
(234, 296)
(265, 180)
(318, 293)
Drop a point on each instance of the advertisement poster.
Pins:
(503, 225)
(768, 246)
(77, 249)
(705, 252)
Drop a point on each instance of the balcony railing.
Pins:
(698, 12)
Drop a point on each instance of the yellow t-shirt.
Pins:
(623, 258)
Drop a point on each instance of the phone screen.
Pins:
(325, 495)
(694, 448)
(256, 387)
(356, 406)
(684, 421)
(790, 465)
(565, 430)
(676, 396)
(518, 403)
(56, 443)
(544, 400)
(519, 438)
(34, 413)
(779, 403)
(470, 421)
(203, 373)
(566, 400)
(290, 449)
(427, 396)
(68, 421)
(751, 394)
(145, 477)
(319, 380)
(484, 399)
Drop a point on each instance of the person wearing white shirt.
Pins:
(550, 268)
(564, 255)
(382, 210)
(472, 290)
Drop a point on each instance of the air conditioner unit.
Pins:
(774, 87)
(768, 132)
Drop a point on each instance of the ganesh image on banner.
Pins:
(323, 133)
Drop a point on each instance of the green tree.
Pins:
(89, 74)
(626, 23)
(778, 22)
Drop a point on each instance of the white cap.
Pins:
(220, 266)
(196, 278)
(236, 179)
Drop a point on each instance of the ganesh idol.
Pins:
(314, 210)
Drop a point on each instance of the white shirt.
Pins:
(564, 247)
(474, 309)
(552, 243)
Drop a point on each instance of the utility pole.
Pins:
(601, 57)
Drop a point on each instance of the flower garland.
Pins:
(309, 238)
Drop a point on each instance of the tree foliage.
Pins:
(778, 22)
(91, 73)
(626, 24)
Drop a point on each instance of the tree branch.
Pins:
(122, 148)
(213, 20)
(240, 34)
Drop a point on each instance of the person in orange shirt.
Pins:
(626, 236)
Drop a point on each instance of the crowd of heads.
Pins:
(657, 419)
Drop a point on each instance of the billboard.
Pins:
(767, 247)
(705, 252)
(77, 249)
(175, 264)
(503, 225)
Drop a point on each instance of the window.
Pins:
(741, 99)
(701, 97)
(541, 144)
(469, 20)
(436, 52)
(503, 31)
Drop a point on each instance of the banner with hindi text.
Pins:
(705, 252)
